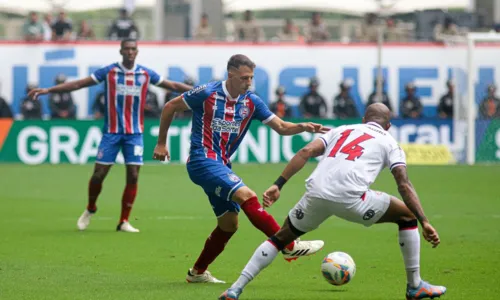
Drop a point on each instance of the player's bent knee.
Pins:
(243, 194)
(232, 227)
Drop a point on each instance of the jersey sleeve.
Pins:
(395, 156)
(154, 78)
(194, 98)
(100, 74)
(262, 111)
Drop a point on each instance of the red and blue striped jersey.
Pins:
(219, 122)
(125, 92)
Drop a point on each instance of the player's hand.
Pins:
(271, 195)
(430, 234)
(161, 152)
(314, 127)
(34, 93)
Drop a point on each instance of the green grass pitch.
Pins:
(44, 256)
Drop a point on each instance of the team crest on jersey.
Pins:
(141, 79)
(233, 177)
(244, 111)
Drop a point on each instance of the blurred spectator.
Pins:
(369, 29)
(61, 104)
(99, 106)
(169, 95)
(123, 27)
(312, 104)
(393, 33)
(47, 27)
(344, 106)
(152, 108)
(496, 28)
(85, 32)
(280, 107)
(248, 29)
(31, 109)
(445, 107)
(385, 98)
(316, 31)
(204, 30)
(5, 111)
(62, 28)
(411, 106)
(490, 106)
(289, 32)
(33, 30)
(445, 30)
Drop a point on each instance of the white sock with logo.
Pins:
(409, 242)
(262, 257)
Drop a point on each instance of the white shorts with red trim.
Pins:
(310, 212)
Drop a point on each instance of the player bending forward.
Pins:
(339, 186)
(222, 113)
(125, 88)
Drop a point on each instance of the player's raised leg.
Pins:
(409, 242)
(266, 223)
(263, 256)
(94, 189)
(128, 198)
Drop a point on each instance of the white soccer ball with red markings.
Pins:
(338, 268)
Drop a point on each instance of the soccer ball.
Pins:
(338, 268)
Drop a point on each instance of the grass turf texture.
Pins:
(43, 256)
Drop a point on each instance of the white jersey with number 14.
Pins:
(354, 156)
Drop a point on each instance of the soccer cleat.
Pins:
(230, 294)
(126, 227)
(84, 220)
(302, 248)
(424, 290)
(206, 277)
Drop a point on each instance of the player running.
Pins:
(222, 113)
(125, 86)
(339, 186)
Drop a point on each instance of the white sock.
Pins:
(409, 242)
(262, 257)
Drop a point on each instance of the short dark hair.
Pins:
(238, 60)
(122, 43)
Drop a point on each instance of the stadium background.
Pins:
(45, 163)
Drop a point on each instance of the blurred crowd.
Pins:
(312, 104)
(58, 27)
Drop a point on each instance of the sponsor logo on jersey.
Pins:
(226, 126)
(196, 90)
(127, 90)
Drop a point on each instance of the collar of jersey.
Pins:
(125, 69)
(224, 89)
(374, 124)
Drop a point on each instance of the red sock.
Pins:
(261, 219)
(94, 191)
(127, 201)
(213, 247)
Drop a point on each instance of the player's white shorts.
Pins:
(310, 212)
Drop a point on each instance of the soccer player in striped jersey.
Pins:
(222, 113)
(126, 85)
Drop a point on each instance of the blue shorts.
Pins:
(219, 183)
(132, 147)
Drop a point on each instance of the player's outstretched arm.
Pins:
(63, 87)
(289, 128)
(408, 193)
(313, 149)
(167, 115)
(175, 86)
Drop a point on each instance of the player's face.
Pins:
(242, 79)
(129, 51)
